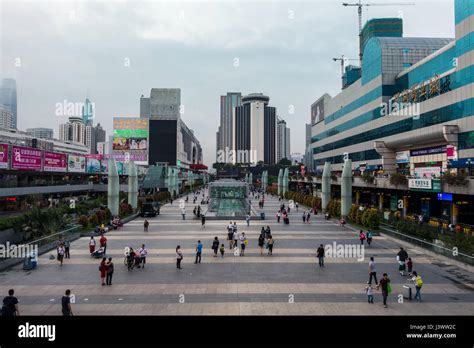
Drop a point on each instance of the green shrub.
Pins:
(93, 220)
(398, 179)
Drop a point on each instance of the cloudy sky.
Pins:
(115, 51)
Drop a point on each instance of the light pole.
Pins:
(469, 161)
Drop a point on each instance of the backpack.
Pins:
(419, 281)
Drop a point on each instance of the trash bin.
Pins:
(262, 215)
(408, 292)
(27, 265)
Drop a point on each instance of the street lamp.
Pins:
(469, 161)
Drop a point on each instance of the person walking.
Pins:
(361, 237)
(370, 293)
(10, 305)
(372, 271)
(247, 219)
(384, 285)
(203, 220)
(103, 243)
(409, 267)
(235, 238)
(308, 217)
(268, 232)
(179, 257)
(297, 206)
(418, 284)
(304, 217)
(198, 252)
(91, 245)
(278, 216)
(67, 245)
(143, 252)
(66, 304)
(243, 243)
(261, 242)
(145, 225)
(110, 272)
(222, 250)
(183, 213)
(270, 243)
(369, 237)
(103, 270)
(320, 253)
(215, 246)
(230, 238)
(402, 256)
(61, 252)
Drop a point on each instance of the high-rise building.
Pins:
(255, 130)
(8, 98)
(6, 118)
(283, 148)
(88, 113)
(40, 133)
(169, 140)
(228, 103)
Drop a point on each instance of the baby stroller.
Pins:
(99, 253)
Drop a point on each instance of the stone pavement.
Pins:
(287, 283)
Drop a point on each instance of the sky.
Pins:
(114, 51)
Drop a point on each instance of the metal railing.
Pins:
(439, 249)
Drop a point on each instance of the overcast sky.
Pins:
(114, 51)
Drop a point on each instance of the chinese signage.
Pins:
(421, 184)
(25, 158)
(424, 185)
(76, 164)
(54, 162)
(3, 156)
(130, 140)
(425, 90)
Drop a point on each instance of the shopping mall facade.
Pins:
(412, 112)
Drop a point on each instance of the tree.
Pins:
(284, 162)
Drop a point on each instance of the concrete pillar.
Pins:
(280, 179)
(357, 197)
(251, 179)
(405, 205)
(346, 188)
(132, 185)
(326, 186)
(455, 213)
(113, 188)
(285, 181)
(381, 201)
(388, 156)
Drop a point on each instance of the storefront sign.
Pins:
(428, 151)
(420, 184)
(93, 166)
(55, 162)
(3, 156)
(427, 172)
(25, 158)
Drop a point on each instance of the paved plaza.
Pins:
(287, 283)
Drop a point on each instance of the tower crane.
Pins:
(359, 6)
(343, 59)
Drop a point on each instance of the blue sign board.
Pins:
(445, 197)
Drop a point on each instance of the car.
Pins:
(148, 210)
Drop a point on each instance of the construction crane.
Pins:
(343, 59)
(359, 6)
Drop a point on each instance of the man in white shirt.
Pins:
(143, 253)
(242, 239)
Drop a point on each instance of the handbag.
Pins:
(389, 288)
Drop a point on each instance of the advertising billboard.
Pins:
(130, 135)
(317, 110)
(54, 162)
(93, 166)
(25, 158)
(3, 156)
(76, 164)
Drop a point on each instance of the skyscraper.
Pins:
(88, 113)
(6, 118)
(283, 148)
(228, 103)
(8, 98)
(255, 130)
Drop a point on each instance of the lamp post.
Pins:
(469, 161)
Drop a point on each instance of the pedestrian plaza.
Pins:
(289, 282)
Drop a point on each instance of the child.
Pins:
(370, 293)
(222, 250)
(410, 266)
